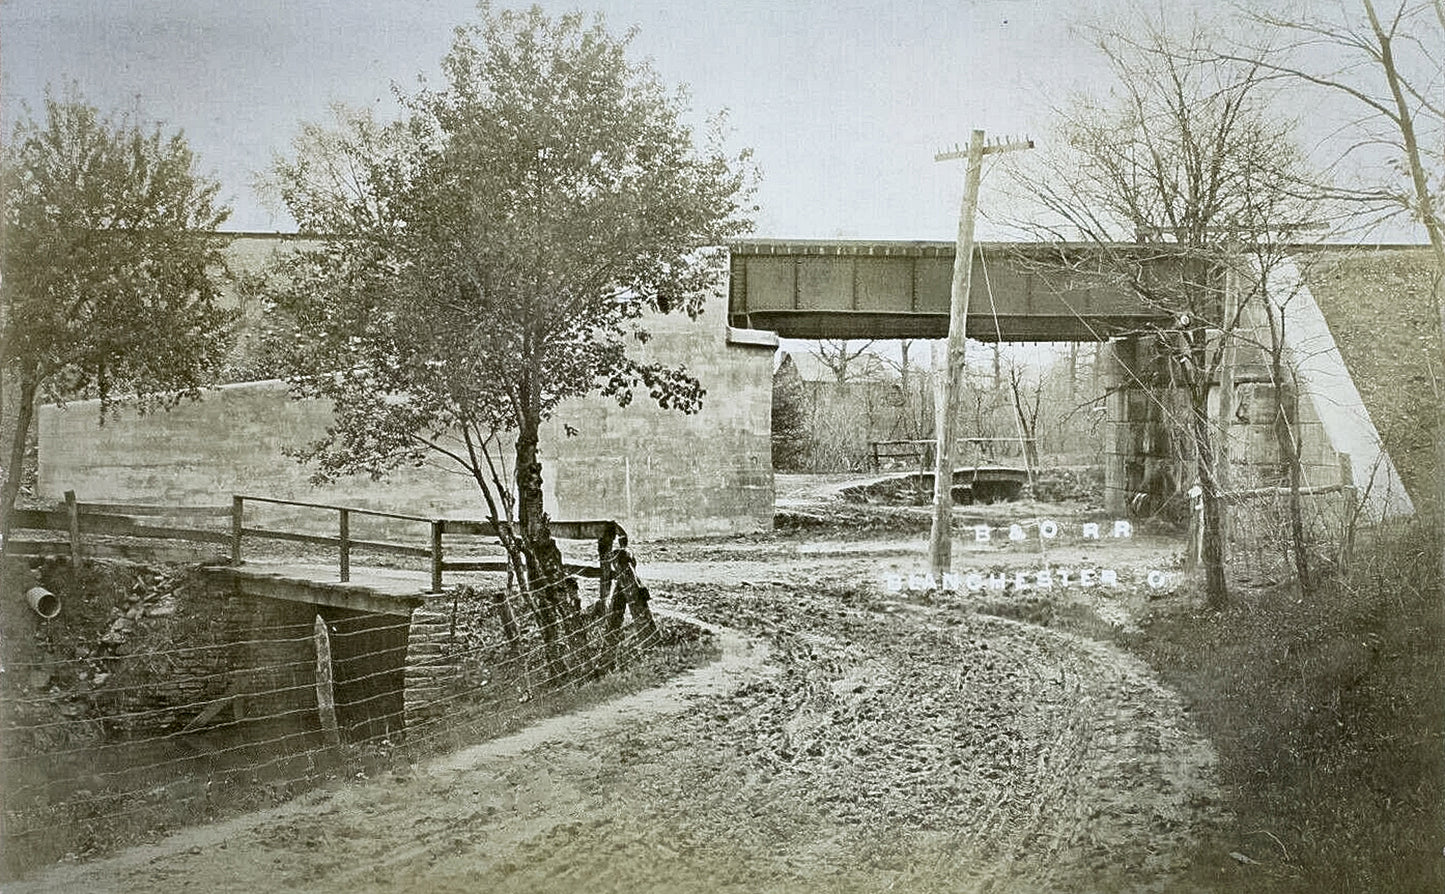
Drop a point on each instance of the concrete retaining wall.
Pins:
(660, 473)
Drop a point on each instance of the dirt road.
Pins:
(852, 739)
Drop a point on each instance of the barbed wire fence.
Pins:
(177, 704)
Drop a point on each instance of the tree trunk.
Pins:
(1288, 438)
(507, 537)
(24, 416)
(1216, 589)
(1286, 421)
(1073, 372)
(1427, 213)
(558, 607)
(910, 430)
(1290, 442)
(509, 622)
(543, 580)
(1028, 424)
(1296, 519)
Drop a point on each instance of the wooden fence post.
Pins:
(605, 544)
(73, 516)
(436, 556)
(345, 538)
(1194, 552)
(237, 507)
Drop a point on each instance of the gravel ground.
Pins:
(850, 740)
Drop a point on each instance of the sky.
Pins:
(843, 102)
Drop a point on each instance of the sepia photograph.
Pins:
(757, 447)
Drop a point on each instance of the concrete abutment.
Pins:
(369, 673)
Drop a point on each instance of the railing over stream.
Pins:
(188, 523)
(607, 534)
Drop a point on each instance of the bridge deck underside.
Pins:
(902, 290)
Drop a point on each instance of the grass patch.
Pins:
(1327, 714)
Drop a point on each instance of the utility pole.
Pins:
(940, 543)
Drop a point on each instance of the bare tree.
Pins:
(912, 420)
(1028, 404)
(838, 355)
(1263, 260)
(1393, 67)
(1159, 180)
(988, 418)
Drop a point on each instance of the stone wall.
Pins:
(433, 666)
(660, 473)
(273, 671)
(1150, 445)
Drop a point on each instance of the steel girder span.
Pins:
(866, 289)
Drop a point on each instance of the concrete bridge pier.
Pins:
(1148, 455)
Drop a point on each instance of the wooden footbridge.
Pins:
(285, 576)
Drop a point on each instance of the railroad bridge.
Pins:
(848, 289)
(1036, 292)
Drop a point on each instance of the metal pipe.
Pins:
(45, 603)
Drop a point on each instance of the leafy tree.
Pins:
(110, 267)
(490, 256)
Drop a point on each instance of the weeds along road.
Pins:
(850, 740)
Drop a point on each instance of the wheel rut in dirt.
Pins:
(860, 743)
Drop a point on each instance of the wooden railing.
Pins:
(915, 451)
(921, 451)
(77, 519)
(607, 535)
(343, 540)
